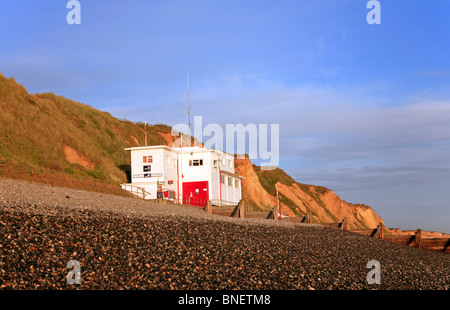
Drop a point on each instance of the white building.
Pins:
(188, 175)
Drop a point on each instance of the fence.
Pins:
(57, 178)
(416, 240)
(437, 244)
(136, 191)
(219, 207)
(171, 196)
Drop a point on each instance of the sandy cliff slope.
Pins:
(296, 199)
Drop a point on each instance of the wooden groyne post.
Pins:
(273, 214)
(239, 211)
(307, 218)
(208, 207)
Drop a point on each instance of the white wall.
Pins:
(168, 170)
(196, 173)
(231, 193)
(159, 166)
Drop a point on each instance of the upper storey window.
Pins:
(195, 162)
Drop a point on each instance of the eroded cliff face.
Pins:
(253, 193)
(296, 199)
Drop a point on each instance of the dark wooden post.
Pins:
(380, 231)
(208, 207)
(242, 209)
(343, 224)
(273, 214)
(418, 238)
(239, 210)
(307, 218)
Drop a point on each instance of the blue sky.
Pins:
(363, 109)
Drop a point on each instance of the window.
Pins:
(222, 179)
(230, 163)
(215, 163)
(195, 162)
(147, 168)
(230, 181)
(168, 160)
(223, 161)
(147, 159)
(236, 183)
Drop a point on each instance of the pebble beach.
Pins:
(127, 243)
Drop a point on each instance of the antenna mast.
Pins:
(189, 109)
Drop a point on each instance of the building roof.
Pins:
(231, 174)
(191, 149)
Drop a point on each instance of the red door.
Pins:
(195, 193)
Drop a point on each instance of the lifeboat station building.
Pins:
(188, 175)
